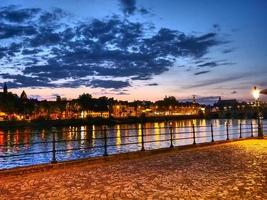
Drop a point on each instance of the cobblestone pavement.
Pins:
(236, 170)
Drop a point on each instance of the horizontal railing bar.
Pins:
(123, 144)
(80, 148)
(184, 138)
(203, 136)
(28, 143)
(25, 154)
(153, 141)
(202, 131)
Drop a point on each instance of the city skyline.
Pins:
(134, 50)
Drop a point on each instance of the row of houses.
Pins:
(116, 111)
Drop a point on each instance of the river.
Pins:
(14, 144)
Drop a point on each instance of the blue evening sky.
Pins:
(134, 49)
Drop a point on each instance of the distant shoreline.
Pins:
(91, 121)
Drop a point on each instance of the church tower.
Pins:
(5, 88)
(23, 96)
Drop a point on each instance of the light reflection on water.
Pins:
(19, 141)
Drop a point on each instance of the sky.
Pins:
(134, 49)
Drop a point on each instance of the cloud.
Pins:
(217, 27)
(110, 84)
(208, 64)
(11, 14)
(202, 72)
(9, 31)
(91, 52)
(143, 11)
(128, 6)
(152, 84)
(217, 81)
(212, 64)
(229, 50)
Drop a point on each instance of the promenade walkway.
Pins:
(235, 170)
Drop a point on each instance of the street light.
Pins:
(256, 95)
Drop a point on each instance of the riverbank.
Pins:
(92, 121)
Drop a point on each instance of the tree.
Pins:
(86, 101)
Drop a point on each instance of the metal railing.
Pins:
(172, 135)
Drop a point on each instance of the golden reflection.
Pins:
(1, 138)
(118, 135)
(8, 138)
(216, 123)
(42, 134)
(83, 130)
(16, 138)
(157, 131)
(203, 122)
(139, 133)
(93, 131)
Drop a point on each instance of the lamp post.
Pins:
(256, 95)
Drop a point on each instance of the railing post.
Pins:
(194, 134)
(227, 131)
(252, 129)
(240, 131)
(171, 135)
(54, 160)
(105, 142)
(212, 136)
(260, 132)
(142, 138)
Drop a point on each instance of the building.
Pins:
(224, 105)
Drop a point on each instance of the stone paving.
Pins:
(236, 170)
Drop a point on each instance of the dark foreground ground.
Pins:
(236, 170)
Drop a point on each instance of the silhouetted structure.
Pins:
(5, 89)
(23, 96)
(226, 104)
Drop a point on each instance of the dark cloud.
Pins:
(230, 50)
(110, 84)
(217, 81)
(208, 64)
(46, 37)
(58, 55)
(143, 11)
(152, 84)
(12, 14)
(48, 17)
(128, 6)
(202, 72)
(211, 64)
(122, 93)
(26, 81)
(8, 31)
(217, 27)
